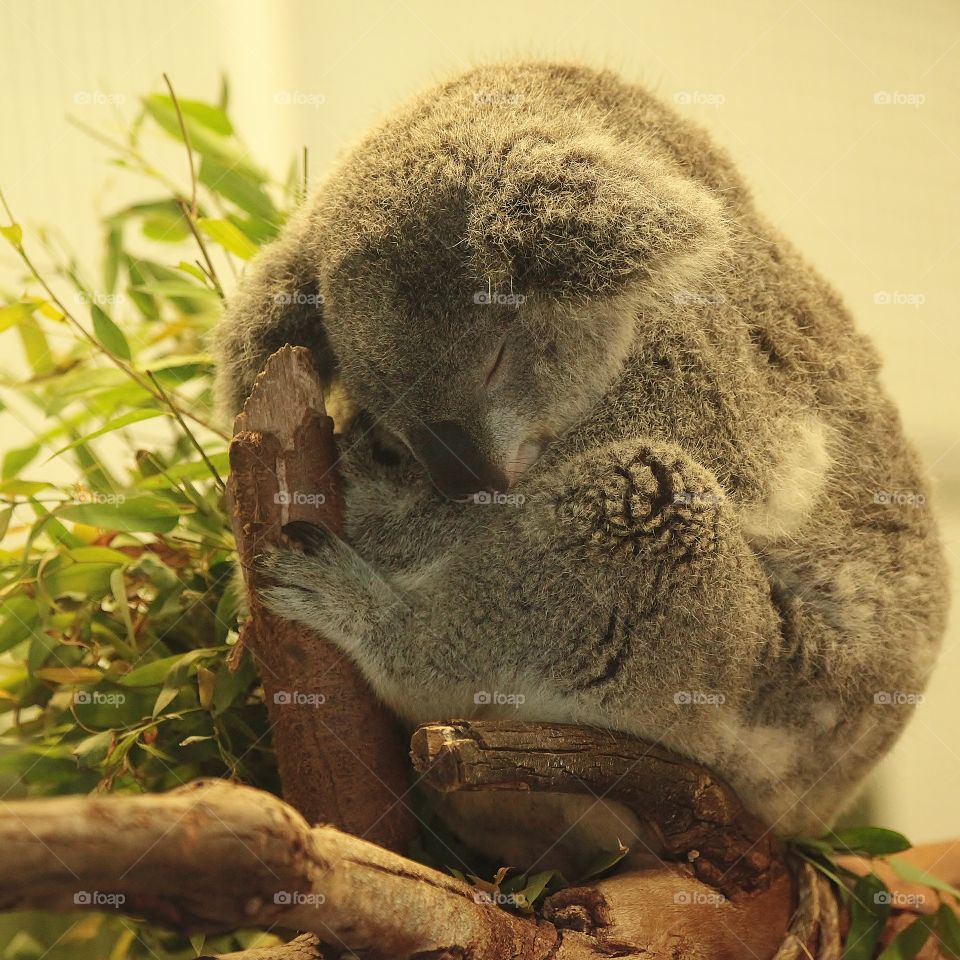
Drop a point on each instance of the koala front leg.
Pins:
(620, 578)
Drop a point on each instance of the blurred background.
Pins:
(842, 115)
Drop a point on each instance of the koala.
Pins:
(619, 457)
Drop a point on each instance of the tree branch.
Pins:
(338, 749)
(697, 817)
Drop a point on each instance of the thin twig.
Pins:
(187, 431)
(189, 146)
(191, 223)
(79, 327)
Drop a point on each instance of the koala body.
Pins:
(699, 520)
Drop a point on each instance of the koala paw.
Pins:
(630, 497)
(302, 586)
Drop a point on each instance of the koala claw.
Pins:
(313, 537)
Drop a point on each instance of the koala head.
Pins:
(480, 294)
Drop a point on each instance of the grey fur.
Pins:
(706, 553)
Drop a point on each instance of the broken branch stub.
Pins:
(339, 750)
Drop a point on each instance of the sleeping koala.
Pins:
(622, 458)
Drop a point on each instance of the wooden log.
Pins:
(698, 819)
(339, 750)
(216, 856)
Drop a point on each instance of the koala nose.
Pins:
(454, 462)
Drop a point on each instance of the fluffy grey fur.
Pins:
(710, 533)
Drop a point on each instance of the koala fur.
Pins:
(707, 528)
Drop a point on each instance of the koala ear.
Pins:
(588, 216)
(278, 302)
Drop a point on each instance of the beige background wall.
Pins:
(842, 114)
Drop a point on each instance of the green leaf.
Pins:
(526, 897)
(35, 346)
(93, 749)
(149, 674)
(142, 513)
(210, 116)
(176, 678)
(603, 861)
(14, 313)
(948, 930)
(229, 237)
(157, 672)
(99, 555)
(193, 270)
(20, 617)
(111, 262)
(206, 130)
(231, 683)
(871, 841)
(118, 587)
(109, 334)
(69, 675)
(135, 416)
(909, 942)
(15, 460)
(237, 187)
(84, 580)
(907, 871)
(869, 910)
(13, 233)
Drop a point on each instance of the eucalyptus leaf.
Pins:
(229, 236)
(109, 334)
(869, 910)
(909, 942)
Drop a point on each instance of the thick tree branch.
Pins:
(698, 818)
(338, 749)
(215, 856)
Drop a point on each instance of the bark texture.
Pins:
(339, 750)
(698, 818)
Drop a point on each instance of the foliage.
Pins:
(870, 899)
(117, 601)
